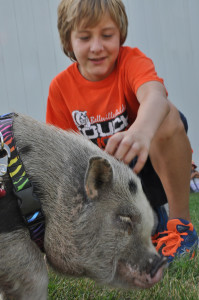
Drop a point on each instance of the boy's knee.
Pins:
(171, 127)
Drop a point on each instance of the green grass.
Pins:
(180, 282)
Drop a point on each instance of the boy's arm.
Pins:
(154, 107)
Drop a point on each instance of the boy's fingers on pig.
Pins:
(113, 143)
(140, 162)
(131, 153)
(126, 150)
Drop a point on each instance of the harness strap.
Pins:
(29, 204)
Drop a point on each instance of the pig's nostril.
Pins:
(156, 264)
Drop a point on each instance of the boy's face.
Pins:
(96, 49)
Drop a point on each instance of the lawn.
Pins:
(181, 280)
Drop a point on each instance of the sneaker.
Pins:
(179, 239)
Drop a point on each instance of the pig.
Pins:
(98, 222)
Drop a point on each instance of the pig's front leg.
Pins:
(23, 272)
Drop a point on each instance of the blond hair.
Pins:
(72, 13)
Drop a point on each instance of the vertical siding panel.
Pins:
(4, 101)
(144, 29)
(137, 36)
(29, 57)
(10, 53)
(154, 35)
(44, 48)
(170, 35)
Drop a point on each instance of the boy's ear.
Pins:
(98, 174)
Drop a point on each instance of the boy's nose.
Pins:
(96, 45)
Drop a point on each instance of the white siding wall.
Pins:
(30, 53)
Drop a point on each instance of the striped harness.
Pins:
(10, 162)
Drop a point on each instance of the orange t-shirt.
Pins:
(101, 108)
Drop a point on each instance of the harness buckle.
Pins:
(4, 155)
(27, 201)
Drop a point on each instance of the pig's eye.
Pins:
(125, 219)
(126, 223)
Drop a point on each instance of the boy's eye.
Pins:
(107, 36)
(84, 38)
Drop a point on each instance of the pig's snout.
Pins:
(155, 264)
(145, 277)
(154, 272)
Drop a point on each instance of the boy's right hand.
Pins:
(127, 145)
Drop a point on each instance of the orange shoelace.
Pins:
(171, 239)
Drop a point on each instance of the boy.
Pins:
(112, 95)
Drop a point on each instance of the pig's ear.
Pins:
(98, 174)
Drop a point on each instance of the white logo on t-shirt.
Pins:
(101, 129)
(81, 120)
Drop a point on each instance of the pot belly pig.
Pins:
(98, 221)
